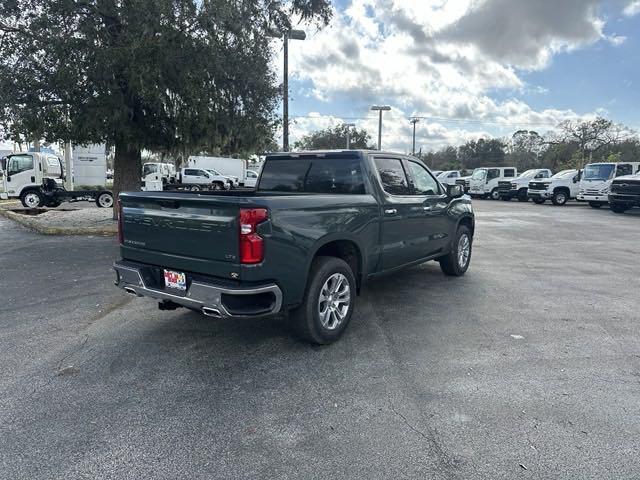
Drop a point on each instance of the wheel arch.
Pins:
(345, 248)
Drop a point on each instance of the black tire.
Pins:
(560, 198)
(452, 263)
(194, 188)
(104, 200)
(217, 186)
(495, 194)
(538, 201)
(618, 207)
(522, 195)
(31, 199)
(595, 205)
(306, 318)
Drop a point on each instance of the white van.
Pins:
(448, 177)
(596, 181)
(484, 181)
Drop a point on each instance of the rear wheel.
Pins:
(457, 261)
(595, 205)
(105, 200)
(538, 201)
(328, 302)
(560, 198)
(31, 199)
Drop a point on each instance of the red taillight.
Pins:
(120, 222)
(251, 244)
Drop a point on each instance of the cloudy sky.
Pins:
(470, 67)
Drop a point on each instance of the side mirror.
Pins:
(8, 178)
(455, 191)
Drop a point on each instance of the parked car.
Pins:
(234, 182)
(625, 193)
(560, 188)
(198, 179)
(251, 179)
(596, 181)
(449, 177)
(231, 167)
(517, 188)
(484, 181)
(318, 226)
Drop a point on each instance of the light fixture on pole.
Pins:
(414, 120)
(349, 126)
(286, 36)
(380, 109)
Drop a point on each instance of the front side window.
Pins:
(149, 168)
(494, 173)
(392, 175)
(19, 163)
(423, 182)
(453, 175)
(624, 169)
(203, 173)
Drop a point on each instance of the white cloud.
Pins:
(632, 8)
(440, 59)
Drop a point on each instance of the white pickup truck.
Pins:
(517, 188)
(560, 188)
(199, 179)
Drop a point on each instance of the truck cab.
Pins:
(159, 172)
(25, 173)
(517, 188)
(560, 188)
(597, 178)
(484, 181)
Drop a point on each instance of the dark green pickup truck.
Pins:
(317, 227)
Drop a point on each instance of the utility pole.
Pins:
(349, 126)
(414, 120)
(286, 36)
(380, 109)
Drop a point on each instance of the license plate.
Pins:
(177, 280)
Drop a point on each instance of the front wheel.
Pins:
(31, 199)
(618, 207)
(457, 261)
(559, 198)
(595, 205)
(495, 194)
(328, 302)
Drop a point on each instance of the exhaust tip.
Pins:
(211, 312)
(130, 291)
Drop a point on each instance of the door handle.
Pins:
(391, 211)
(426, 208)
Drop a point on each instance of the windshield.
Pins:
(479, 174)
(564, 173)
(599, 171)
(212, 171)
(149, 168)
(528, 174)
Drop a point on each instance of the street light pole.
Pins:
(286, 36)
(349, 125)
(380, 109)
(414, 120)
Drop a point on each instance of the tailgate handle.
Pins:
(169, 203)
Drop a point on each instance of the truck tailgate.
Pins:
(190, 232)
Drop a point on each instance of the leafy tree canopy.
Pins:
(335, 137)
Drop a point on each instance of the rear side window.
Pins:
(392, 175)
(509, 172)
(313, 175)
(191, 172)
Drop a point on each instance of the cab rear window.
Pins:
(312, 175)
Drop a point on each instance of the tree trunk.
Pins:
(127, 171)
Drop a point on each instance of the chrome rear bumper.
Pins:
(205, 296)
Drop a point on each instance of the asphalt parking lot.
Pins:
(527, 367)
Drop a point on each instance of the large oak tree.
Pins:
(144, 74)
